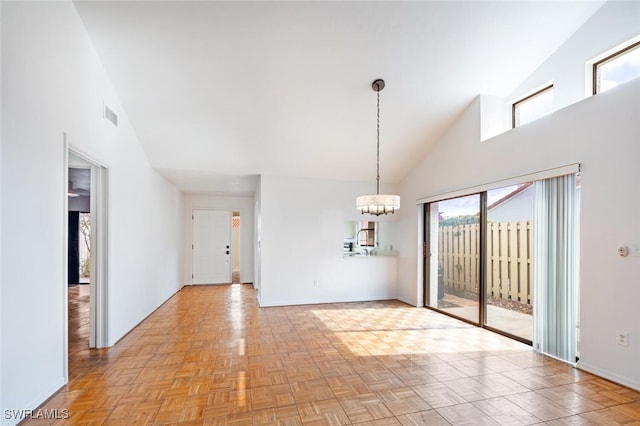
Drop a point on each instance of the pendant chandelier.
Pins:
(377, 204)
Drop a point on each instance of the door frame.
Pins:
(98, 318)
(191, 243)
(482, 269)
(427, 254)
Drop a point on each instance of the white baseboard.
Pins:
(606, 374)
(408, 302)
(322, 301)
(47, 394)
(35, 403)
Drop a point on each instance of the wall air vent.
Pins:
(110, 115)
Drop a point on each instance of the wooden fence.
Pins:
(509, 253)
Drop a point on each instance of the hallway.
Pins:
(81, 358)
(209, 355)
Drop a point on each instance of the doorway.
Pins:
(510, 261)
(454, 235)
(492, 256)
(211, 240)
(86, 260)
(479, 262)
(79, 230)
(78, 262)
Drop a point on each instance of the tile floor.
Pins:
(210, 356)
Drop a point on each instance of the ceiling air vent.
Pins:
(110, 115)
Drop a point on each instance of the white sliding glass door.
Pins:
(505, 259)
(509, 260)
(455, 257)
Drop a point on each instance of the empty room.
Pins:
(177, 178)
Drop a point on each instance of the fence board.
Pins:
(513, 260)
(522, 262)
(466, 260)
(495, 259)
(509, 259)
(504, 256)
(473, 258)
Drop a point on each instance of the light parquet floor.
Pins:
(210, 356)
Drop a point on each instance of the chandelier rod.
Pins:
(378, 143)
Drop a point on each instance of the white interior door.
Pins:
(211, 247)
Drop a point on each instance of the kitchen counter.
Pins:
(377, 254)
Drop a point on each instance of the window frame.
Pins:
(539, 92)
(608, 58)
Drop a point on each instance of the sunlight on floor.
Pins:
(405, 330)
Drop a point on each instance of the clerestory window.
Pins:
(533, 107)
(615, 69)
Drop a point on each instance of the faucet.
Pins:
(358, 234)
(367, 251)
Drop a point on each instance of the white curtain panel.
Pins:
(555, 264)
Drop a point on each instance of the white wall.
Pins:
(302, 244)
(570, 67)
(1, 143)
(245, 206)
(601, 133)
(53, 82)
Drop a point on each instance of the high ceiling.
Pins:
(219, 92)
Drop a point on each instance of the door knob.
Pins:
(227, 251)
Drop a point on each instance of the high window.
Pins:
(616, 69)
(533, 107)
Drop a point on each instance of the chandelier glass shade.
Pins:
(377, 204)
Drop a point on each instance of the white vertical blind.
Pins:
(554, 330)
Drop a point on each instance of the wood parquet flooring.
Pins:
(210, 356)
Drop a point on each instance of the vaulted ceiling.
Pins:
(220, 92)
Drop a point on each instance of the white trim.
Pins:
(1, 351)
(530, 177)
(88, 158)
(65, 264)
(614, 50)
(588, 81)
(44, 396)
(329, 300)
(539, 88)
(625, 381)
(420, 293)
(99, 243)
(412, 303)
(98, 319)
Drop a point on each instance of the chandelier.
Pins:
(377, 204)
